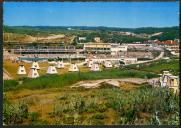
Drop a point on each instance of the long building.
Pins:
(46, 50)
(97, 47)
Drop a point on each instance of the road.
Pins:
(157, 58)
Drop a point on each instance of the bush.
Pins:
(10, 84)
(98, 116)
(15, 113)
(34, 116)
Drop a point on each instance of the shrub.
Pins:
(98, 116)
(15, 113)
(10, 84)
(34, 116)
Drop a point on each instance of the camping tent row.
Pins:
(58, 64)
(33, 73)
(106, 64)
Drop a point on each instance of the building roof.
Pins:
(167, 42)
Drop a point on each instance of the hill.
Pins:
(107, 34)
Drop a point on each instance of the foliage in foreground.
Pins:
(67, 79)
(145, 105)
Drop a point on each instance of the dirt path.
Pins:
(157, 58)
(114, 82)
(6, 75)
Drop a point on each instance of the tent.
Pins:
(52, 70)
(21, 70)
(73, 68)
(33, 73)
(60, 64)
(95, 67)
(89, 63)
(35, 65)
(52, 62)
(107, 64)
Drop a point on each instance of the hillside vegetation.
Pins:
(140, 104)
(107, 34)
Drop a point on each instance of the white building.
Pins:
(82, 38)
(21, 70)
(97, 39)
(116, 48)
(35, 65)
(73, 68)
(174, 49)
(33, 73)
(170, 81)
(52, 70)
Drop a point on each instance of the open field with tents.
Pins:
(51, 99)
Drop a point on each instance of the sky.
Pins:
(109, 14)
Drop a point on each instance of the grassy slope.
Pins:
(49, 81)
(162, 65)
(159, 66)
(94, 106)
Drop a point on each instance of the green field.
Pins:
(49, 99)
(158, 66)
(50, 81)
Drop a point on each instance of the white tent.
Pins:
(73, 68)
(33, 73)
(107, 64)
(52, 70)
(89, 63)
(21, 70)
(60, 64)
(35, 65)
(52, 62)
(95, 67)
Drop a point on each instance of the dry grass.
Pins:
(128, 86)
(13, 67)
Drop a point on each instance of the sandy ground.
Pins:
(113, 82)
(6, 76)
(51, 37)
